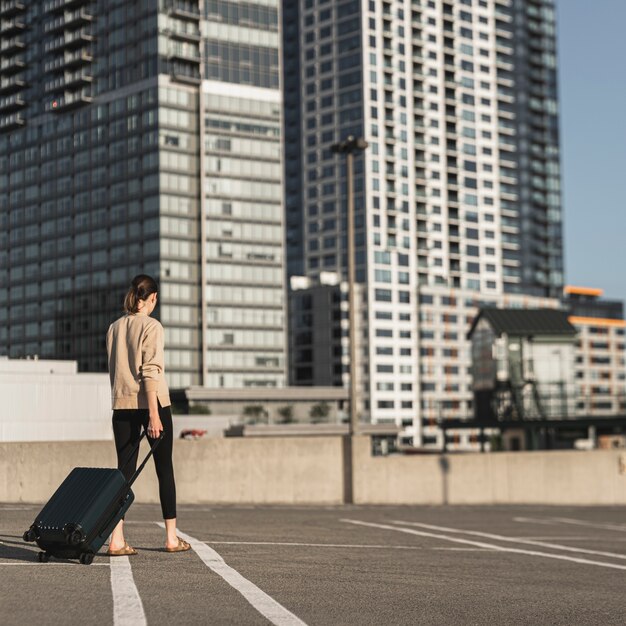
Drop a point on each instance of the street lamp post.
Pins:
(348, 147)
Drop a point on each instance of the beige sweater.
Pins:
(135, 346)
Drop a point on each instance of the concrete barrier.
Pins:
(310, 470)
(572, 477)
(295, 470)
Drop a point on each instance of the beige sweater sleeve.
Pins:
(152, 357)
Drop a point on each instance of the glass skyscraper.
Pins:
(143, 137)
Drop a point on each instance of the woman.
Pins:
(135, 347)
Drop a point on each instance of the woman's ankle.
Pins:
(117, 539)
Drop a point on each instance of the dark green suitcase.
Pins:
(83, 511)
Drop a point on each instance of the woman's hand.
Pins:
(155, 427)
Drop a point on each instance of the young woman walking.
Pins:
(140, 397)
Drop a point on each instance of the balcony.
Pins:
(9, 8)
(11, 27)
(79, 57)
(185, 35)
(68, 101)
(504, 62)
(61, 5)
(12, 65)
(184, 10)
(11, 84)
(10, 122)
(69, 80)
(72, 40)
(184, 77)
(11, 45)
(185, 56)
(503, 14)
(69, 60)
(71, 19)
(11, 103)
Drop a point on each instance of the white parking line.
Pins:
(533, 520)
(465, 549)
(263, 603)
(566, 520)
(332, 545)
(127, 605)
(311, 545)
(559, 537)
(481, 544)
(542, 544)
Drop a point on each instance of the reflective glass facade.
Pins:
(105, 172)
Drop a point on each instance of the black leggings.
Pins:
(127, 424)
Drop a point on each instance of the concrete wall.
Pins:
(234, 470)
(557, 477)
(309, 470)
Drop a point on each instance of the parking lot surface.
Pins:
(331, 565)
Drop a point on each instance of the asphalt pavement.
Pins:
(331, 565)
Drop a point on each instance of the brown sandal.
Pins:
(182, 546)
(125, 551)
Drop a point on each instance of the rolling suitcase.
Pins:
(83, 511)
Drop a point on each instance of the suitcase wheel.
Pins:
(86, 558)
(76, 538)
(43, 557)
(29, 535)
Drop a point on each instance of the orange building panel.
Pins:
(583, 291)
(596, 321)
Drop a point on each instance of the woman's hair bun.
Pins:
(140, 288)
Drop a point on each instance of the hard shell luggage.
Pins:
(83, 511)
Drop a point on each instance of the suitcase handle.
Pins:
(133, 478)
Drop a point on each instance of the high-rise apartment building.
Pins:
(601, 350)
(457, 197)
(143, 137)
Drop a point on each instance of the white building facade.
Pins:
(457, 197)
(48, 400)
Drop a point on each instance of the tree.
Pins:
(496, 443)
(319, 412)
(199, 409)
(253, 412)
(286, 413)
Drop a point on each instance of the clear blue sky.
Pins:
(592, 91)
